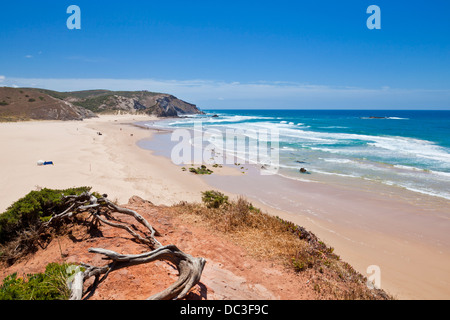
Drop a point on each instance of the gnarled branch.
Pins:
(189, 268)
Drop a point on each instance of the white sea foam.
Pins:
(399, 166)
(334, 127)
(400, 146)
(336, 151)
(372, 154)
(211, 121)
(288, 149)
(421, 190)
(235, 119)
(416, 170)
(408, 147)
(412, 148)
(384, 146)
(440, 173)
(299, 178)
(335, 160)
(287, 166)
(336, 174)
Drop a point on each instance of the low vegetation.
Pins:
(271, 238)
(214, 199)
(50, 285)
(57, 212)
(20, 223)
(201, 170)
(263, 236)
(94, 104)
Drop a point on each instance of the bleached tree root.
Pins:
(189, 268)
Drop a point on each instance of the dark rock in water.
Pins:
(298, 161)
(304, 171)
(215, 116)
(374, 117)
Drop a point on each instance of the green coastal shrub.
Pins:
(201, 170)
(214, 199)
(31, 210)
(50, 285)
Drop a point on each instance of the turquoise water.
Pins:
(409, 149)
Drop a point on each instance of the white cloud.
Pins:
(261, 94)
(2, 78)
(28, 56)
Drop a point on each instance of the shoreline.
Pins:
(396, 229)
(115, 164)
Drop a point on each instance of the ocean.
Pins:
(406, 149)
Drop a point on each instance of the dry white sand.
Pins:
(112, 163)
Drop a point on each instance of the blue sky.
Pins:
(236, 54)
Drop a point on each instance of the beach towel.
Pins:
(45, 163)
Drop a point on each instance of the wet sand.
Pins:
(404, 233)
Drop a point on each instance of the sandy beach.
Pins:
(408, 241)
(110, 163)
(406, 236)
(404, 233)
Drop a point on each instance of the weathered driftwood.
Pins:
(190, 268)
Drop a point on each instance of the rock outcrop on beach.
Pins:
(18, 104)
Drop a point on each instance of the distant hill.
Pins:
(30, 104)
(18, 104)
